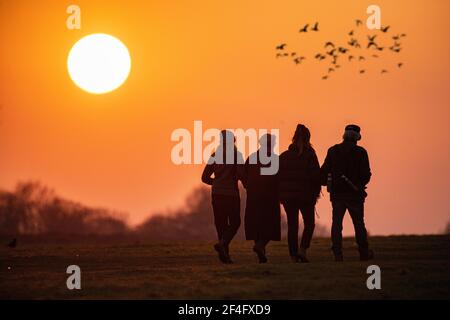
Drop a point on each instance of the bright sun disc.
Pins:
(99, 63)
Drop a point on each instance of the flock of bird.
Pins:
(355, 48)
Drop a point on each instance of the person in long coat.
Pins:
(262, 212)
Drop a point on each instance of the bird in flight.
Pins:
(375, 55)
(329, 43)
(371, 43)
(384, 71)
(395, 49)
(351, 33)
(400, 64)
(354, 43)
(371, 38)
(361, 58)
(403, 35)
(334, 60)
(281, 46)
(324, 77)
(319, 56)
(330, 70)
(343, 50)
(337, 66)
(358, 22)
(350, 58)
(331, 53)
(397, 37)
(298, 60)
(293, 54)
(362, 71)
(304, 29)
(385, 29)
(316, 27)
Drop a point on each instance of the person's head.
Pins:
(352, 133)
(224, 153)
(267, 154)
(268, 141)
(227, 137)
(302, 138)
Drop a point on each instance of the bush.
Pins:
(34, 209)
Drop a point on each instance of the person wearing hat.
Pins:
(346, 172)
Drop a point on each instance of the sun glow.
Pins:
(99, 63)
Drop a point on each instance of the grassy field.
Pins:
(412, 267)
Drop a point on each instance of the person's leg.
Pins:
(308, 214)
(234, 222)
(339, 208)
(262, 243)
(220, 217)
(220, 221)
(356, 210)
(233, 219)
(292, 220)
(260, 249)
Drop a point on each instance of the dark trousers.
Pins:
(262, 243)
(292, 208)
(227, 216)
(356, 210)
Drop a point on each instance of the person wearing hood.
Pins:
(346, 172)
(299, 187)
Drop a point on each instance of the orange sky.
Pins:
(214, 61)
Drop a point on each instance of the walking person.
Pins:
(227, 165)
(299, 179)
(346, 172)
(262, 212)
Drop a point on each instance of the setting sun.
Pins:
(99, 63)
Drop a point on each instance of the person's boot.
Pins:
(261, 253)
(302, 255)
(227, 253)
(219, 247)
(366, 255)
(294, 258)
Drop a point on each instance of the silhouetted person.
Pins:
(13, 243)
(262, 211)
(299, 179)
(227, 165)
(346, 172)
